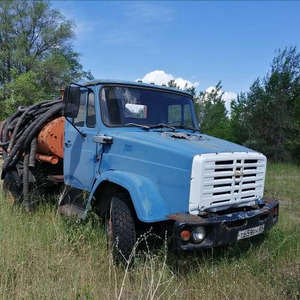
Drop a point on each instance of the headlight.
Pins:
(198, 234)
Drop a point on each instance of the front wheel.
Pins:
(121, 232)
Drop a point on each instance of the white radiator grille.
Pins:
(223, 180)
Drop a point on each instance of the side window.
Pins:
(187, 116)
(180, 115)
(174, 114)
(79, 121)
(91, 114)
(111, 114)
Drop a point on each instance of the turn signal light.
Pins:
(275, 210)
(185, 235)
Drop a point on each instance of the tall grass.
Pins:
(45, 256)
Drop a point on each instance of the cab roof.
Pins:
(133, 83)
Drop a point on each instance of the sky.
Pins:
(193, 42)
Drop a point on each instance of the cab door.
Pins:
(80, 152)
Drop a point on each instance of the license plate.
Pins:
(243, 234)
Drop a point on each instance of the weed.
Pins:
(46, 256)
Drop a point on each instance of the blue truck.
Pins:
(134, 153)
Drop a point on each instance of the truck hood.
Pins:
(162, 162)
(174, 149)
(190, 143)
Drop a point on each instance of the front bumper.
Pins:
(223, 229)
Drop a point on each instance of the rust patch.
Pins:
(186, 218)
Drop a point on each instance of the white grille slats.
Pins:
(223, 180)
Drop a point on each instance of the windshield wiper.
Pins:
(138, 125)
(187, 127)
(162, 125)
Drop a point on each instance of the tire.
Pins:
(13, 187)
(121, 233)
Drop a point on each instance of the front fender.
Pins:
(149, 205)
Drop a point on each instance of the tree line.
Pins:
(37, 59)
(36, 53)
(266, 118)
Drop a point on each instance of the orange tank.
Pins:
(50, 140)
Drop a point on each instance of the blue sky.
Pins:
(201, 42)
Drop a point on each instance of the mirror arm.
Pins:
(82, 134)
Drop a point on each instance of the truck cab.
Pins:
(134, 152)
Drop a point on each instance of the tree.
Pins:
(212, 113)
(210, 110)
(35, 43)
(238, 125)
(172, 83)
(271, 109)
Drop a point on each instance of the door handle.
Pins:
(103, 139)
(68, 143)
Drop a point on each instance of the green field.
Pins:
(45, 256)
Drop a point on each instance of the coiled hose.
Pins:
(18, 135)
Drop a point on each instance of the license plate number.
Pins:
(243, 234)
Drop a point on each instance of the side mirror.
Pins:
(71, 101)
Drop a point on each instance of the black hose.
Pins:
(18, 135)
(4, 132)
(41, 122)
(27, 123)
(28, 112)
(22, 108)
(32, 152)
(26, 182)
(16, 129)
(30, 132)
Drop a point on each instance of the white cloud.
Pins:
(227, 96)
(182, 83)
(211, 90)
(161, 77)
(157, 77)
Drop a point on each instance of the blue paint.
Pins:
(148, 202)
(154, 165)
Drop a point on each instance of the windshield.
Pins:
(128, 106)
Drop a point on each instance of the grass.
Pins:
(45, 256)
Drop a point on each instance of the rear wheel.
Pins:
(13, 186)
(120, 227)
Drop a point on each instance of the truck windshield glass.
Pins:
(125, 106)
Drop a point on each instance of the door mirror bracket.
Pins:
(81, 133)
